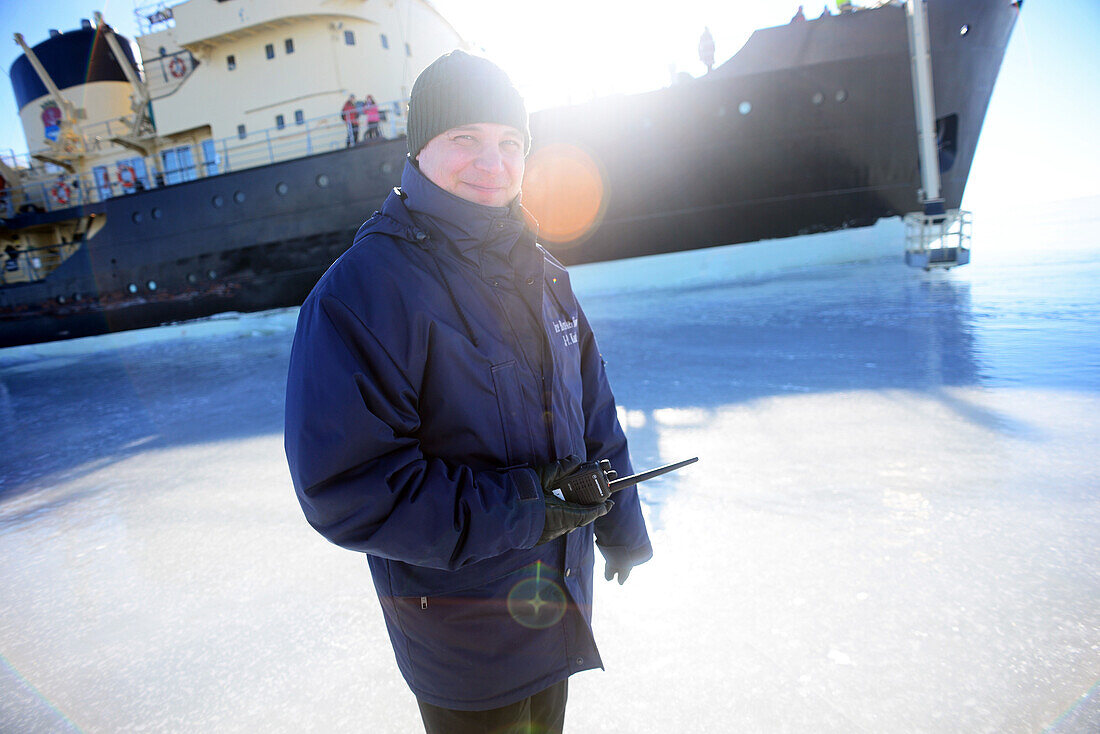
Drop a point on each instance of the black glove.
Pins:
(561, 516)
(617, 561)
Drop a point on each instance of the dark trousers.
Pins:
(541, 713)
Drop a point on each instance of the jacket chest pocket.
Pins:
(514, 420)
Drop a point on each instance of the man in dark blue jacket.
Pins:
(443, 376)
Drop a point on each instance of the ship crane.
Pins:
(935, 238)
(142, 135)
(68, 148)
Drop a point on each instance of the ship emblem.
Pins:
(51, 119)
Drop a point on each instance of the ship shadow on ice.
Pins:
(673, 353)
(67, 417)
(677, 357)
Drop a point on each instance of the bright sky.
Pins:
(1039, 141)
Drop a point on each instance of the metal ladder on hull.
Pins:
(935, 237)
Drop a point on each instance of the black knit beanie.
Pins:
(460, 89)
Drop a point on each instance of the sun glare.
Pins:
(582, 51)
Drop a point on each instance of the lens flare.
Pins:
(536, 602)
(563, 188)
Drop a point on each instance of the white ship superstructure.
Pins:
(266, 67)
(223, 85)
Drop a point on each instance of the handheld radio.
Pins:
(594, 481)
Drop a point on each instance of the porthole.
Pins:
(132, 288)
(77, 297)
(151, 285)
(136, 216)
(281, 188)
(964, 30)
(841, 95)
(238, 196)
(211, 274)
(61, 299)
(217, 201)
(322, 180)
(192, 278)
(744, 108)
(818, 98)
(156, 212)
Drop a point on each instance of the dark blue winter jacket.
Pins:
(442, 356)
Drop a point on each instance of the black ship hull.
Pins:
(809, 128)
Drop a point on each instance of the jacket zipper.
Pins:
(547, 402)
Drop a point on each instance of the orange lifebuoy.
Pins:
(126, 176)
(177, 67)
(62, 193)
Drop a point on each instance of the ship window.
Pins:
(289, 43)
(269, 50)
(102, 182)
(744, 108)
(385, 41)
(217, 201)
(349, 38)
(132, 288)
(151, 285)
(238, 196)
(818, 98)
(179, 165)
(210, 158)
(231, 62)
(280, 123)
(136, 217)
(322, 181)
(281, 188)
(240, 132)
(157, 213)
(841, 95)
(299, 117)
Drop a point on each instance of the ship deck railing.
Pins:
(33, 263)
(52, 189)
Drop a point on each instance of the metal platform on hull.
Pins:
(937, 240)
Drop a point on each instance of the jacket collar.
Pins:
(467, 226)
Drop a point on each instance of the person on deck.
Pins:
(799, 15)
(442, 378)
(706, 49)
(372, 115)
(350, 114)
